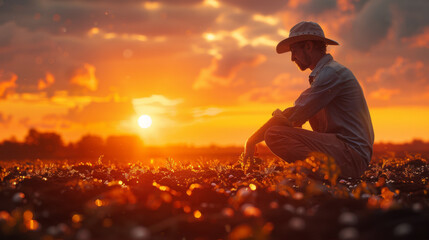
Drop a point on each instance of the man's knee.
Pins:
(269, 135)
(282, 141)
(272, 136)
(278, 140)
(275, 133)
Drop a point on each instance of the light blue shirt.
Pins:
(335, 103)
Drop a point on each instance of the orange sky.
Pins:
(206, 71)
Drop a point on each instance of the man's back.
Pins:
(347, 114)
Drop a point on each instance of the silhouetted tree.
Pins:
(90, 146)
(44, 145)
(12, 149)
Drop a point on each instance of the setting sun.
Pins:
(145, 121)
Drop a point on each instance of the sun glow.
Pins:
(145, 121)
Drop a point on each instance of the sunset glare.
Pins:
(145, 121)
(206, 71)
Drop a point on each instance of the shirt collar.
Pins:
(322, 62)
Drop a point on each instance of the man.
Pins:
(334, 104)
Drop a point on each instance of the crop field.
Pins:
(213, 199)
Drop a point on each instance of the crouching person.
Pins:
(334, 104)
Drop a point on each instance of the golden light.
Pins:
(76, 218)
(212, 3)
(265, 19)
(93, 31)
(197, 214)
(187, 209)
(251, 211)
(28, 215)
(151, 5)
(98, 203)
(4, 215)
(32, 225)
(209, 36)
(145, 121)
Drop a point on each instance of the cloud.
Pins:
(206, 112)
(7, 82)
(284, 88)
(313, 6)
(156, 105)
(366, 23)
(257, 6)
(379, 18)
(157, 99)
(167, 114)
(384, 94)
(403, 82)
(222, 72)
(85, 77)
(402, 69)
(370, 26)
(37, 58)
(60, 37)
(77, 17)
(412, 15)
(18, 50)
(46, 82)
(418, 41)
(30, 55)
(33, 43)
(233, 61)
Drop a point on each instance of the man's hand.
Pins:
(249, 150)
(257, 137)
(249, 153)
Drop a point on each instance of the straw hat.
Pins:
(303, 31)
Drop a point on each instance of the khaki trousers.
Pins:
(293, 144)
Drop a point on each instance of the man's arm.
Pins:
(277, 119)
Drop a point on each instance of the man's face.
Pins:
(300, 56)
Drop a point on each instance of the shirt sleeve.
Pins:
(323, 90)
(289, 112)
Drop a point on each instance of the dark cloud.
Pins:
(318, 6)
(374, 21)
(370, 26)
(405, 81)
(177, 2)
(258, 6)
(122, 2)
(232, 61)
(78, 17)
(371, 20)
(41, 37)
(31, 55)
(413, 15)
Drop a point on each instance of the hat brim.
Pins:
(284, 46)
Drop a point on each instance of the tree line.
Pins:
(50, 145)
